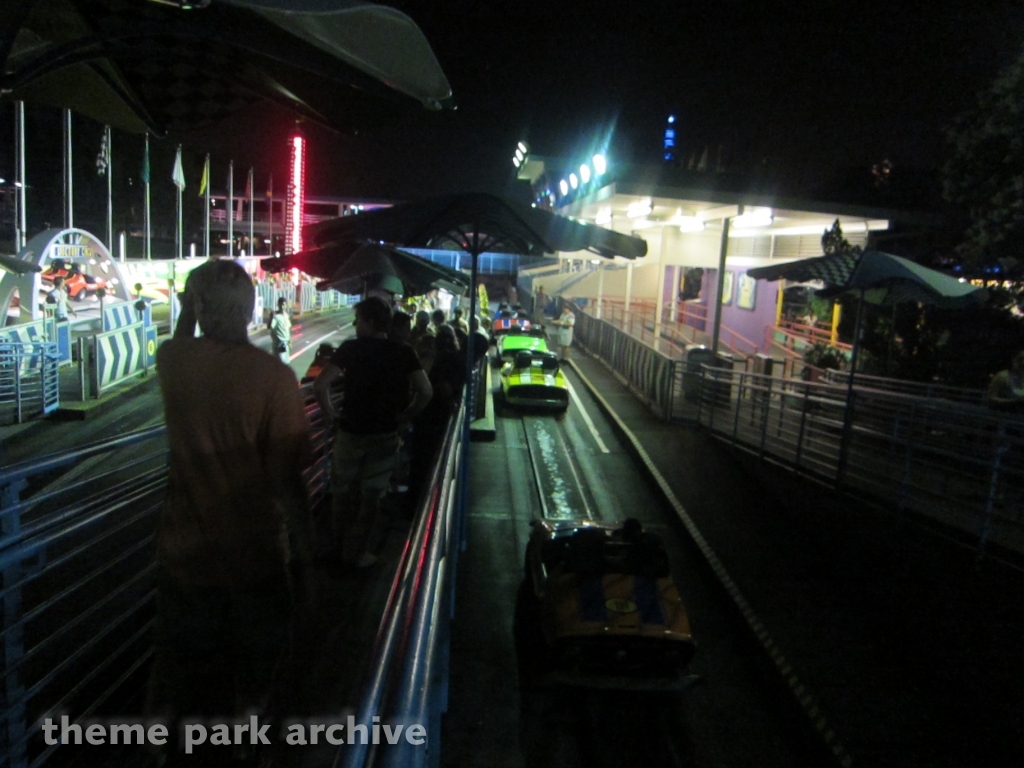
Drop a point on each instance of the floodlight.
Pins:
(600, 164)
(639, 208)
(585, 173)
(563, 187)
(755, 217)
(573, 181)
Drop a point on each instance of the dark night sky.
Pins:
(814, 85)
(813, 88)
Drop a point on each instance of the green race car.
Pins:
(511, 344)
(534, 380)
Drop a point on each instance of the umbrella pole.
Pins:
(844, 442)
(470, 394)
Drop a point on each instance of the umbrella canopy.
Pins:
(878, 278)
(155, 67)
(475, 223)
(353, 268)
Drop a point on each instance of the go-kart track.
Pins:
(574, 467)
(877, 640)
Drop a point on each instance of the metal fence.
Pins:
(29, 380)
(76, 531)
(654, 377)
(957, 463)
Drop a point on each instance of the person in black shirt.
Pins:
(447, 373)
(377, 376)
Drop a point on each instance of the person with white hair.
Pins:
(235, 526)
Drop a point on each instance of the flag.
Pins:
(178, 174)
(144, 173)
(206, 177)
(103, 158)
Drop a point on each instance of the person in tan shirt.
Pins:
(235, 517)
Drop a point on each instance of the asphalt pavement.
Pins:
(898, 646)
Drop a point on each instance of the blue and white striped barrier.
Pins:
(33, 333)
(123, 314)
(120, 354)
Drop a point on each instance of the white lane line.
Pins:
(586, 418)
(310, 345)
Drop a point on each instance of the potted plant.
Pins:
(822, 357)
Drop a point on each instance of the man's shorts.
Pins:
(370, 459)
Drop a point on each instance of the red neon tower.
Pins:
(295, 195)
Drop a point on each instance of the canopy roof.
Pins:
(352, 268)
(881, 278)
(476, 222)
(144, 66)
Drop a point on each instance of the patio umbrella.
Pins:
(876, 278)
(154, 67)
(352, 268)
(879, 278)
(475, 223)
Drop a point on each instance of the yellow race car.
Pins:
(532, 379)
(601, 607)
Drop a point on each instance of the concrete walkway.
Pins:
(899, 650)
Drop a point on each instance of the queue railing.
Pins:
(959, 464)
(76, 537)
(29, 379)
(647, 372)
(407, 681)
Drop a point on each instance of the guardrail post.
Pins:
(17, 388)
(82, 353)
(1002, 446)
(767, 409)
(803, 423)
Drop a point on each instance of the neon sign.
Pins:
(295, 196)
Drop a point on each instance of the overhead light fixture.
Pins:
(688, 223)
(595, 261)
(600, 164)
(563, 187)
(604, 216)
(639, 208)
(573, 181)
(585, 173)
(755, 217)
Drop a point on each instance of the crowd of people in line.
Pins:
(236, 540)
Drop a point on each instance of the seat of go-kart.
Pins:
(591, 553)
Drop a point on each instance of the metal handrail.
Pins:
(76, 593)
(955, 462)
(416, 593)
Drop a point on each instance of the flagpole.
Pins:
(110, 190)
(230, 208)
(69, 215)
(206, 198)
(270, 195)
(252, 239)
(148, 248)
(178, 230)
(20, 220)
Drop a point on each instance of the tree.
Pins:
(985, 173)
(834, 242)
